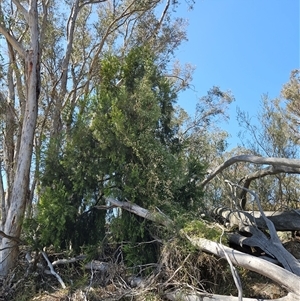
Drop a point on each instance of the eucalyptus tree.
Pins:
(271, 136)
(66, 41)
(290, 94)
(203, 139)
(19, 128)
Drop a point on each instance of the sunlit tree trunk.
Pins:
(17, 203)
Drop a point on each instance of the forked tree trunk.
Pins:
(15, 212)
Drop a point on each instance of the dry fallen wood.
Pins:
(273, 244)
(185, 296)
(157, 216)
(53, 271)
(282, 220)
(282, 162)
(279, 275)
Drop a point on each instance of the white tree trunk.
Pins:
(15, 212)
(279, 275)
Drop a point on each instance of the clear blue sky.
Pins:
(246, 46)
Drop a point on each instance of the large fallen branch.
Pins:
(282, 220)
(279, 275)
(53, 271)
(156, 216)
(270, 170)
(279, 162)
(272, 245)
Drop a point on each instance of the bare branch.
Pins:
(261, 266)
(157, 217)
(288, 261)
(280, 162)
(22, 9)
(16, 239)
(53, 271)
(283, 221)
(12, 41)
(234, 271)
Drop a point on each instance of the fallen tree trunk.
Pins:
(283, 221)
(279, 275)
(271, 244)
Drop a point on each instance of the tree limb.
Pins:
(22, 9)
(53, 271)
(279, 275)
(282, 220)
(281, 162)
(270, 170)
(157, 217)
(12, 41)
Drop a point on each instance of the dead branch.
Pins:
(53, 271)
(274, 245)
(279, 275)
(270, 170)
(282, 220)
(16, 239)
(157, 216)
(234, 272)
(191, 296)
(279, 162)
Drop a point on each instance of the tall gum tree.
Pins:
(73, 38)
(15, 201)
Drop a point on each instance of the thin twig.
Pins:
(235, 275)
(53, 271)
(177, 270)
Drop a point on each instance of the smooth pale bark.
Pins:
(53, 271)
(270, 170)
(280, 162)
(279, 275)
(15, 212)
(157, 217)
(283, 221)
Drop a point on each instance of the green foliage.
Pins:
(69, 190)
(201, 229)
(132, 122)
(272, 135)
(124, 144)
(138, 245)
